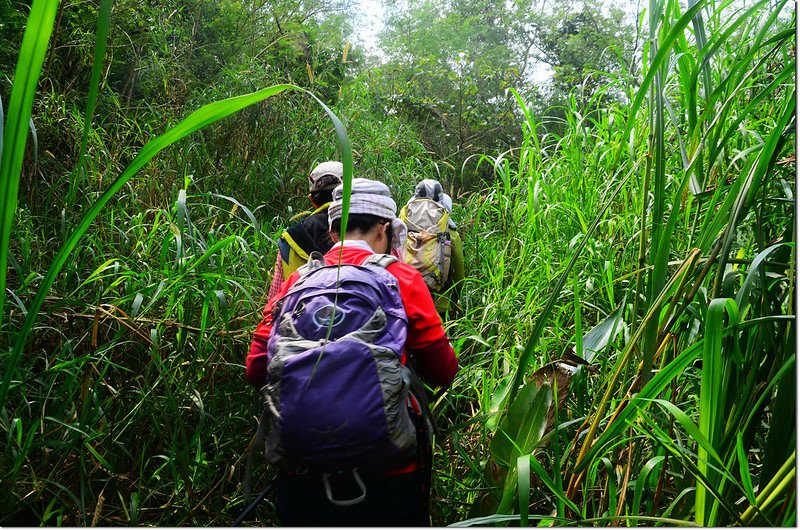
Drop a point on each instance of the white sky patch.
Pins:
(540, 72)
(369, 21)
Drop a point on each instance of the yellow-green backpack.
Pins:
(428, 246)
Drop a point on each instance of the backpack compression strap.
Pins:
(381, 260)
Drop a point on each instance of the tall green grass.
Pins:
(654, 239)
(93, 413)
(663, 209)
(18, 115)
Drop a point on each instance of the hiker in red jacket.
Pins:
(397, 496)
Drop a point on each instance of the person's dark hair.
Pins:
(322, 196)
(362, 222)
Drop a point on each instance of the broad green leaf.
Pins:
(524, 487)
(523, 426)
(600, 335)
(712, 403)
(498, 397)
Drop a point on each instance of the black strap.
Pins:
(420, 394)
(255, 503)
(425, 428)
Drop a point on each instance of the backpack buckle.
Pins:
(345, 502)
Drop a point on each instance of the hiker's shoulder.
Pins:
(405, 273)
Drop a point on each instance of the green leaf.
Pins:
(99, 458)
(744, 470)
(522, 428)
(15, 133)
(743, 296)
(712, 403)
(558, 492)
(498, 397)
(600, 335)
(100, 43)
(692, 430)
(524, 487)
(612, 485)
(641, 481)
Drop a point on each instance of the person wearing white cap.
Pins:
(400, 495)
(310, 229)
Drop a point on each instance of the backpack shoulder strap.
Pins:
(315, 261)
(292, 246)
(403, 215)
(381, 260)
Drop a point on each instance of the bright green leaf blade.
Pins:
(524, 487)
(18, 116)
(522, 428)
(744, 470)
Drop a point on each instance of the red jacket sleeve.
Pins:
(256, 362)
(426, 343)
(436, 363)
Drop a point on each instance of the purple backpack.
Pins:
(337, 393)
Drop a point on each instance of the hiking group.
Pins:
(350, 330)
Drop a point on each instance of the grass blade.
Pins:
(100, 43)
(15, 133)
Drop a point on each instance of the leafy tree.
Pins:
(586, 44)
(168, 57)
(448, 70)
(450, 66)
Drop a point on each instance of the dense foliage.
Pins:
(627, 328)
